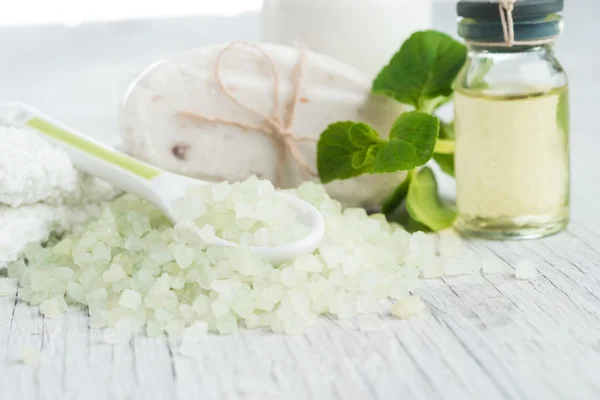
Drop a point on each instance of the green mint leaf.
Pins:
(396, 199)
(423, 202)
(364, 158)
(345, 150)
(362, 135)
(446, 162)
(421, 74)
(411, 143)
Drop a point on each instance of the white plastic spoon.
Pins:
(161, 188)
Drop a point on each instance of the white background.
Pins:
(72, 12)
(30, 12)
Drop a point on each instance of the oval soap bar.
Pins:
(181, 116)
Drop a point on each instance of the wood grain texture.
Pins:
(485, 337)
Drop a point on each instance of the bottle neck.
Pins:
(520, 49)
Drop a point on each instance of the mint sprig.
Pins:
(421, 75)
(349, 149)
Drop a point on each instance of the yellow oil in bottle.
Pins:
(512, 163)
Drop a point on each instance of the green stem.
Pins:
(427, 107)
(444, 146)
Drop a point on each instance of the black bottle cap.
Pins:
(523, 9)
(533, 20)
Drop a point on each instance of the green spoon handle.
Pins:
(88, 155)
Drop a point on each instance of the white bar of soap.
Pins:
(155, 131)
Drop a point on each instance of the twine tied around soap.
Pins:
(274, 125)
(506, 8)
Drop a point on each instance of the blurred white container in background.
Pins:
(361, 33)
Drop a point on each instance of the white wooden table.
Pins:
(486, 337)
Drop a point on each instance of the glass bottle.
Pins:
(511, 124)
(363, 34)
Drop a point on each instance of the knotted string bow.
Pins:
(274, 125)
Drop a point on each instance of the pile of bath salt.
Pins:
(251, 213)
(136, 272)
(41, 193)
